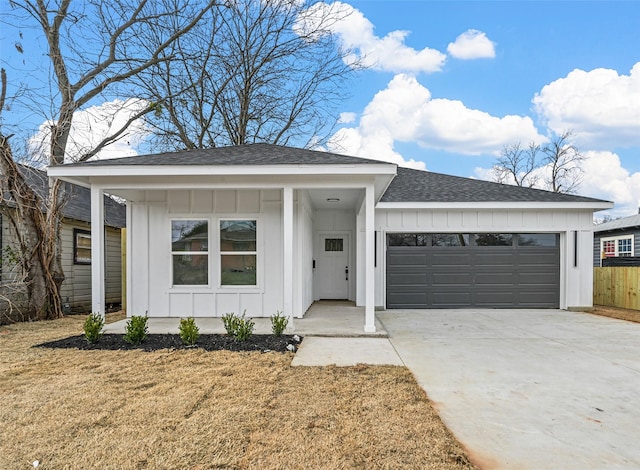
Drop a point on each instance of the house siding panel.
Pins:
(152, 221)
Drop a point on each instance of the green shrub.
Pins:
(189, 331)
(244, 328)
(93, 327)
(240, 328)
(279, 323)
(136, 330)
(230, 322)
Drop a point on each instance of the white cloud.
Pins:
(602, 107)
(356, 33)
(90, 126)
(347, 118)
(604, 178)
(472, 44)
(406, 112)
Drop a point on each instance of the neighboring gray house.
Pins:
(267, 228)
(76, 245)
(617, 243)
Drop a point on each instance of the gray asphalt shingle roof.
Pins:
(408, 186)
(425, 186)
(78, 205)
(618, 224)
(251, 154)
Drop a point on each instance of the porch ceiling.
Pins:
(336, 198)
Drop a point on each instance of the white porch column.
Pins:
(287, 253)
(97, 250)
(369, 228)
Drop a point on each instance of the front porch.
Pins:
(324, 318)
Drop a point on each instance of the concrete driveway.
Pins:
(528, 389)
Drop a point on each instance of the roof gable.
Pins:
(424, 186)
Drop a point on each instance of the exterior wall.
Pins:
(597, 236)
(149, 254)
(576, 273)
(303, 254)
(77, 284)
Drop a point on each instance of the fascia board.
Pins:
(497, 205)
(220, 170)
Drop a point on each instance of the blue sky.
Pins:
(582, 52)
(450, 83)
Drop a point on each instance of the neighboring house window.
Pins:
(190, 252)
(238, 252)
(81, 246)
(618, 247)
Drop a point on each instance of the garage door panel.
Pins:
(438, 279)
(407, 300)
(407, 259)
(456, 299)
(538, 279)
(407, 279)
(494, 298)
(495, 279)
(449, 259)
(492, 260)
(473, 276)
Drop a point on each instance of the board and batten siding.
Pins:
(149, 253)
(576, 269)
(77, 284)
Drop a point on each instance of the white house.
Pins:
(266, 228)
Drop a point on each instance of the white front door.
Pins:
(332, 267)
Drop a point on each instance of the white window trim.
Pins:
(207, 253)
(258, 253)
(616, 239)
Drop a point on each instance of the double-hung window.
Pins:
(81, 246)
(238, 252)
(617, 246)
(190, 252)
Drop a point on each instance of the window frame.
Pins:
(616, 241)
(86, 234)
(206, 253)
(220, 253)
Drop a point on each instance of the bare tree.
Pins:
(94, 49)
(564, 162)
(257, 71)
(555, 166)
(517, 165)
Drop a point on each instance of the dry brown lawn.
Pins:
(615, 312)
(191, 409)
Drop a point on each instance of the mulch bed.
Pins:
(155, 342)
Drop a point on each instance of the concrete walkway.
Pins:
(528, 389)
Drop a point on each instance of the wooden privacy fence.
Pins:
(617, 286)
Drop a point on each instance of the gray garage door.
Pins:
(493, 270)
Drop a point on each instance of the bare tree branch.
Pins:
(556, 166)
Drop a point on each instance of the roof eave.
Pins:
(529, 205)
